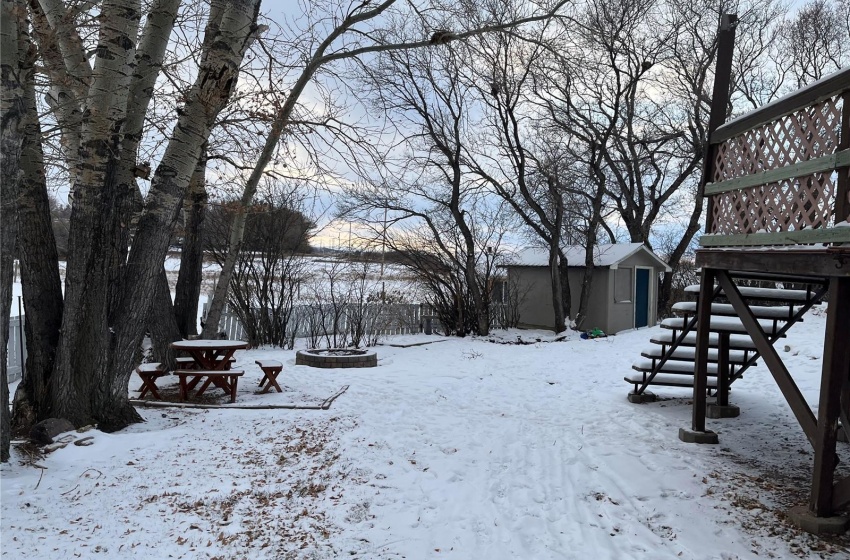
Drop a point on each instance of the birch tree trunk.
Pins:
(79, 387)
(42, 288)
(12, 108)
(102, 333)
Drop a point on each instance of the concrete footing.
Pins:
(809, 522)
(690, 436)
(641, 398)
(722, 411)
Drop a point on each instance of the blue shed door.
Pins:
(641, 297)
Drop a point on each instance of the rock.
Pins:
(44, 432)
(86, 441)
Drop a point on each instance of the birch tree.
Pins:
(108, 291)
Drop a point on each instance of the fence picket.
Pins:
(15, 359)
(400, 318)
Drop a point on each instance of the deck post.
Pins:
(723, 369)
(835, 373)
(698, 433)
(719, 102)
(842, 191)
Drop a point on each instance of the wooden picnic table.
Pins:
(210, 354)
(212, 358)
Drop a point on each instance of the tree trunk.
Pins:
(42, 288)
(590, 249)
(162, 324)
(188, 289)
(12, 110)
(100, 342)
(586, 282)
(557, 290)
(7, 259)
(566, 294)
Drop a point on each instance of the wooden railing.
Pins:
(780, 175)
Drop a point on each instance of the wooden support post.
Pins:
(768, 353)
(723, 373)
(835, 373)
(719, 103)
(706, 295)
(842, 190)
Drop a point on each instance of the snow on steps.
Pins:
(723, 324)
(726, 310)
(765, 294)
(736, 342)
(688, 353)
(669, 380)
(672, 367)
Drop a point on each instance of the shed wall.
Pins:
(603, 311)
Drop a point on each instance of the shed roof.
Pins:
(607, 255)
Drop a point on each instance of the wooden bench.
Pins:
(189, 362)
(223, 379)
(149, 374)
(271, 369)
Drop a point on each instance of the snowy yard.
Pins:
(462, 449)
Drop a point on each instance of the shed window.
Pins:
(622, 285)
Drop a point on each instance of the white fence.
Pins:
(16, 349)
(396, 318)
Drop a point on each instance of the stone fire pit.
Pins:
(336, 358)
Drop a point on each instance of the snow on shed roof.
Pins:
(604, 255)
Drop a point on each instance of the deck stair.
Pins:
(671, 361)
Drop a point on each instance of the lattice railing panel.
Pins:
(789, 205)
(803, 135)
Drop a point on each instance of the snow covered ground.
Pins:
(463, 448)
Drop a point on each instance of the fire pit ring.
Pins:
(336, 358)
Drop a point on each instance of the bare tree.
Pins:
(348, 36)
(525, 169)
(815, 41)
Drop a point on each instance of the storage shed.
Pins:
(625, 286)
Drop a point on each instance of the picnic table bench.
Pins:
(271, 369)
(223, 379)
(149, 374)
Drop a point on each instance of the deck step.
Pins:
(781, 312)
(736, 342)
(669, 380)
(765, 294)
(723, 324)
(687, 353)
(673, 368)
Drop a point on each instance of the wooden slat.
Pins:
(801, 169)
(814, 93)
(832, 262)
(774, 363)
(802, 237)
